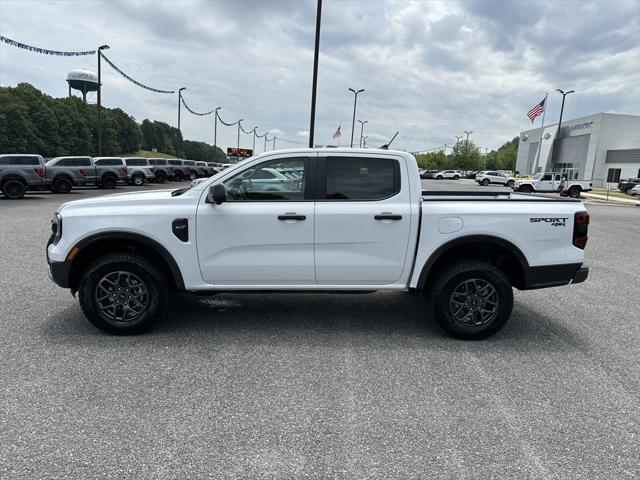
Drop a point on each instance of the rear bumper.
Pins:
(555, 275)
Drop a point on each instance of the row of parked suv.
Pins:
(19, 173)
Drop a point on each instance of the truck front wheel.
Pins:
(471, 299)
(574, 192)
(123, 293)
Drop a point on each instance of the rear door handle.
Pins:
(297, 218)
(387, 216)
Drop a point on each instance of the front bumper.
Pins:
(58, 271)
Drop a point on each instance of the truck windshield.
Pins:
(537, 176)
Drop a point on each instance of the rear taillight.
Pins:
(39, 171)
(172, 168)
(84, 171)
(125, 169)
(152, 169)
(580, 229)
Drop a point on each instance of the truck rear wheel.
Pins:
(13, 189)
(109, 182)
(574, 192)
(123, 293)
(471, 300)
(160, 177)
(62, 185)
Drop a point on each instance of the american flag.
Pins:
(537, 110)
(338, 133)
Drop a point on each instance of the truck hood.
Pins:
(134, 199)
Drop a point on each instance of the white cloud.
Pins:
(430, 69)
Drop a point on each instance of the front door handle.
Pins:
(388, 216)
(295, 217)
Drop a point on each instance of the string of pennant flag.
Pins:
(194, 112)
(44, 51)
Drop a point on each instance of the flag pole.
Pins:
(544, 112)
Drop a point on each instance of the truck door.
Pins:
(545, 184)
(362, 219)
(262, 235)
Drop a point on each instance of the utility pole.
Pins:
(100, 48)
(314, 85)
(274, 142)
(215, 133)
(557, 140)
(355, 101)
(361, 129)
(265, 142)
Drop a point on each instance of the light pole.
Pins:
(362, 129)
(466, 149)
(100, 48)
(179, 103)
(314, 85)
(239, 127)
(364, 141)
(254, 139)
(265, 141)
(557, 140)
(215, 133)
(355, 101)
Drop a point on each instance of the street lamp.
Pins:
(254, 139)
(239, 127)
(265, 141)
(215, 133)
(361, 129)
(466, 149)
(355, 100)
(179, 102)
(314, 84)
(100, 48)
(557, 140)
(364, 141)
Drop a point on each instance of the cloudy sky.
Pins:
(430, 69)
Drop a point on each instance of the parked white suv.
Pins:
(444, 174)
(491, 176)
(353, 220)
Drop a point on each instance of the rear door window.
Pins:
(16, 160)
(361, 178)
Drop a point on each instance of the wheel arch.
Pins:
(100, 244)
(499, 252)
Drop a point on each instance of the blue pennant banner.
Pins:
(44, 51)
(134, 81)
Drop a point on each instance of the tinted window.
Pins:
(361, 178)
(260, 183)
(83, 162)
(136, 162)
(157, 162)
(546, 177)
(175, 162)
(19, 161)
(188, 162)
(109, 161)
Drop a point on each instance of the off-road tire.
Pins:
(137, 265)
(574, 192)
(443, 305)
(62, 185)
(13, 189)
(109, 182)
(178, 176)
(160, 178)
(137, 180)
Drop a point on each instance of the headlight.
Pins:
(56, 228)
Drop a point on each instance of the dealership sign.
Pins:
(236, 154)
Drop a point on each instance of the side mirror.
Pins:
(217, 194)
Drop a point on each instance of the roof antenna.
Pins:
(386, 145)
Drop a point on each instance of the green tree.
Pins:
(433, 160)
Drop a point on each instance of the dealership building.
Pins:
(602, 147)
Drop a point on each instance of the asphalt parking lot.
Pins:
(320, 386)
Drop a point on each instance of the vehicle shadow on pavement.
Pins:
(385, 319)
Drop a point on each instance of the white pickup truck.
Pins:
(342, 220)
(550, 182)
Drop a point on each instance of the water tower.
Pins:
(82, 80)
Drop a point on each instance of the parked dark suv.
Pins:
(625, 186)
(19, 173)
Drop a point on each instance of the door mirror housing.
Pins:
(217, 194)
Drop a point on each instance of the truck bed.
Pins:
(486, 196)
